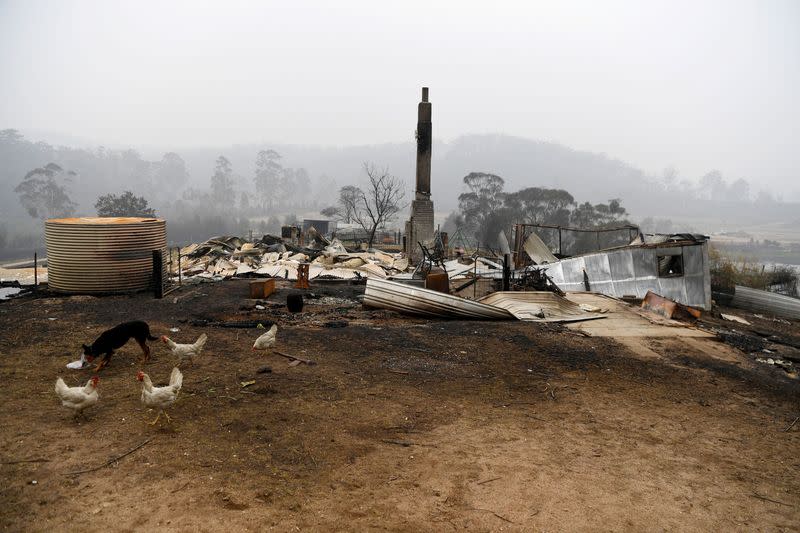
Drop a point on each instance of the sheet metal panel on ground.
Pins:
(766, 302)
(385, 294)
(533, 305)
(539, 306)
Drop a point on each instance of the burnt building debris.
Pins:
(419, 227)
(226, 257)
(324, 227)
(674, 266)
(529, 306)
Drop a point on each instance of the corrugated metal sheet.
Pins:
(634, 270)
(540, 306)
(766, 302)
(97, 255)
(538, 250)
(384, 294)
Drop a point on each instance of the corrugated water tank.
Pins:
(102, 255)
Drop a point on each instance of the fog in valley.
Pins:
(238, 117)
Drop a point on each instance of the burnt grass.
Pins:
(371, 342)
(380, 377)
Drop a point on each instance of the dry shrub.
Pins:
(727, 272)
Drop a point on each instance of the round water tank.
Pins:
(101, 255)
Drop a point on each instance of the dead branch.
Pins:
(485, 481)
(406, 443)
(110, 461)
(760, 497)
(295, 358)
(792, 424)
(180, 488)
(403, 443)
(503, 518)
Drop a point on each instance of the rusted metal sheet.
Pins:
(659, 305)
(666, 307)
(385, 294)
(101, 255)
(540, 306)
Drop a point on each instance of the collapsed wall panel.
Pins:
(634, 270)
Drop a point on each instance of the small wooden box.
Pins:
(438, 281)
(261, 288)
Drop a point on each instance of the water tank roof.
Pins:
(103, 220)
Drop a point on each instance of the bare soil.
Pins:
(403, 424)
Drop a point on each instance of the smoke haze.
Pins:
(694, 86)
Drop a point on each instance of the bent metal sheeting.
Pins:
(539, 306)
(384, 294)
(529, 305)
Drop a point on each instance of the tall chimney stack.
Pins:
(419, 227)
(424, 139)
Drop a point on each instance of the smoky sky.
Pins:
(693, 85)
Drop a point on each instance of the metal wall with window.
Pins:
(634, 270)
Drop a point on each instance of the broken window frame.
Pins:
(671, 253)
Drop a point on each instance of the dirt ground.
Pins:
(404, 424)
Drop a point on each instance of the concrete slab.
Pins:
(24, 276)
(622, 320)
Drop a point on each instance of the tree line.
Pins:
(485, 209)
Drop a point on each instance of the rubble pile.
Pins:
(223, 257)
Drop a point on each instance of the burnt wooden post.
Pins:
(35, 271)
(302, 276)
(158, 274)
(506, 272)
(180, 270)
(475, 275)
(559, 242)
(518, 233)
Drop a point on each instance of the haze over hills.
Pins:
(521, 162)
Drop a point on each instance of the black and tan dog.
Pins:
(116, 337)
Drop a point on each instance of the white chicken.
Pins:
(186, 351)
(267, 340)
(78, 398)
(160, 397)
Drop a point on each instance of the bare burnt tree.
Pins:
(349, 199)
(379, 203)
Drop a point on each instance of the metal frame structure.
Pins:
(519, 236)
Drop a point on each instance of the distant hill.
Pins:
(521, 162)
